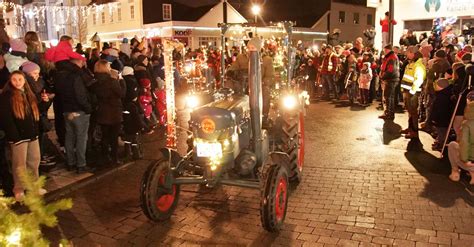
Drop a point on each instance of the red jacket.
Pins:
(390, 69)
(384, 23)
(329, 64)
(63, 51)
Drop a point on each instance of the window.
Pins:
(356, 18)
(132, 12)
(167, 12)
(370, 20)
(8, 21)
(103, 17)
(342, 16)
(94, 17)
(119, 12)
(208, 41)
(111, 16)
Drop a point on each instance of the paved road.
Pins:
(361, 187)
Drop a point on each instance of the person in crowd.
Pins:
(461, 53)
(442, 110)
(125, 47)
(328, 73)
(133, 124)
(461, 153)
(460, 85)
(75, 99)
(450, 51)
(390, 76)
(146, 102)
(385, 23)
(17, 56)
(365, 78)
(93, 58)
(34, 47)
(4, 38)
(413, 78)
(141, 69)
(109, 92)
(79, 50)
(435, 70)
(20, 115)
(44, 97)
(409, 39)
(4, 73)
(63, 51)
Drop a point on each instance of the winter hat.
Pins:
(389, 47)
(457, 65)
(125, 41)
(18, 45)
(141, 58)
(127, 71)
(29, 67)
(466, 58)
(145, 83)
(442, 83)
(412, 49)
(440, 54)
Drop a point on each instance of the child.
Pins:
(133, 124)
(364, 83)
(146, 101)
(461, 154)
(442, 111)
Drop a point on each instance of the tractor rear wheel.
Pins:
(292, 143)
(158, 196)
(274, 197)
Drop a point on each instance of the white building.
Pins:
(418, 15)
(351, 19)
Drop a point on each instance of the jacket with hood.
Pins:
(14, 60)
(63, 51)
(109, 95)
(436, 68)
(390, 69)
(466, 141)
(442, 107)
(71, 87)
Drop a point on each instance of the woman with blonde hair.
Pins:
(34, 46)
(19, 116)
(109, 91)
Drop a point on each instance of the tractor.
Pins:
(228, 146)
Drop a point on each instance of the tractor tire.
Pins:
(157, 202)
(274, 197)
(292, 143)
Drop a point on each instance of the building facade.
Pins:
(418, 15)
(351, 19)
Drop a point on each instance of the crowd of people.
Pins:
(96, 96)
(431, 82)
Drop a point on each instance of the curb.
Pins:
(61, 192)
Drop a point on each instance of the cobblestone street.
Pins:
(361, 187)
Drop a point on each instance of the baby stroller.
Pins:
(351, 85)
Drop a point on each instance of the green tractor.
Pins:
(228, 146)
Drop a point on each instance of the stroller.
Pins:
(351, 85)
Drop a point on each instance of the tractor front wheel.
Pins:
(158, 196)
(274, 198)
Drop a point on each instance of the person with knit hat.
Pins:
(133, 118)
(125, 47)
(461, 153)
(63, 51)
(442, 110)
(44, 98)
(17, 55)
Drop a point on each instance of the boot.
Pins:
(411, 135)
(136, 152)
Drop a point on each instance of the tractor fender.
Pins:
(172, 155)
(280, 158)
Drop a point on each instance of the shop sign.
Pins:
(186, 32)
(432, 6)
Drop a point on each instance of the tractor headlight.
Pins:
(290, 102)
(192, 101)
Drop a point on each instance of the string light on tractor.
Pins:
(290, 102)
(192, 101)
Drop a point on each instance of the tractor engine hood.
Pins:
(218, 120)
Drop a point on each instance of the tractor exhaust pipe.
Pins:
(255, 97)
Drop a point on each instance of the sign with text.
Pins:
(186, 32)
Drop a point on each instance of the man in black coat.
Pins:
(75, 99)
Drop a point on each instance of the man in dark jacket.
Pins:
(77, 107)
(390, 76)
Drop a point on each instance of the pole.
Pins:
(255, 98)
(392, 12)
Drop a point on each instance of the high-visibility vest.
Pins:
(414, 76)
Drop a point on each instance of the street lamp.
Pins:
(256, 11)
